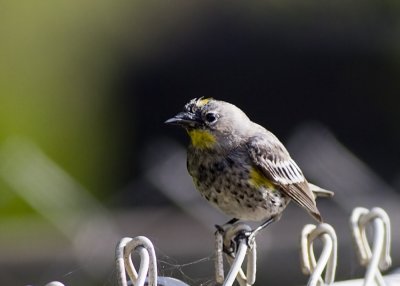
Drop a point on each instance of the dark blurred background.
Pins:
(85, 158)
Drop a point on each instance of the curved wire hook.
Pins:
(230, 239)
(120, 263)
(54, 283)
(148, 265)
(328, 257)
(377, 259)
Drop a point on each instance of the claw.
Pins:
(251, 239)
(227, 249)
(234, 235)
(219, 228)
(230, 251)
(249, 236)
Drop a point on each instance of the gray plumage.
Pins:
(240, 167)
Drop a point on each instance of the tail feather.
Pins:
(320, 192)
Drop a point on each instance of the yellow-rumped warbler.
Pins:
(240, 167)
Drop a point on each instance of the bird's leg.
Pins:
(221, 229)
(265, 224)
(232, 221)
(251, 236)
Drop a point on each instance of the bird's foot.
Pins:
(233, 236)
(232, 248)
(225, 226)
(228, 248)
(220, 229)
(248, 236)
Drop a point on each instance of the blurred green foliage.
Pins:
(57, 61)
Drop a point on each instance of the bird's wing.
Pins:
(275, 163)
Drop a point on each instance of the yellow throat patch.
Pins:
(202, 139)
(258, 180)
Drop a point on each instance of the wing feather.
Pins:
(273, 160)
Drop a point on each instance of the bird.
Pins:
(240, 167)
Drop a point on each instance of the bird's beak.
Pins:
(185, 119)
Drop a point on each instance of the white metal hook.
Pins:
(328, 257)
(120, 263)
(225, 240)
(148, 265)
(379, 257)
(54, 283)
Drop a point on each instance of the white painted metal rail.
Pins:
(231, 244)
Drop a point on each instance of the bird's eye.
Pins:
(211, 117)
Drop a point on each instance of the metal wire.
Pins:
(54, 283)
(252, 265)
(235, 241)
(379, 257)
(230, 240)
(237, 264)
(148, 262)
(328, 257)
(120, 263)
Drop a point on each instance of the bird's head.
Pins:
(211, 122)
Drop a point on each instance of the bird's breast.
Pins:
(231, 184)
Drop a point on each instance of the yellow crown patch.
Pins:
(203, 101)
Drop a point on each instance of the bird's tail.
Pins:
(320, 192)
